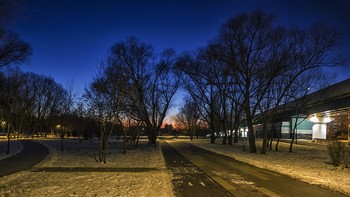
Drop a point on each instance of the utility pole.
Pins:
(348, 127)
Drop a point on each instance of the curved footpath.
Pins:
(31, 154)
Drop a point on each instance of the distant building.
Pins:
(325, 116)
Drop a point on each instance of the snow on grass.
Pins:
(309, 162)
(75, 172)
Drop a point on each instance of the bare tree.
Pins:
(210, 83)
(27, 100)
(189, 116)
(199, 82)
(261, 54)
(103, 108)
(151, 82)
(12, 49)
(300, 94)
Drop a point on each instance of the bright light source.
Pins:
(314, 119)
(327, 120)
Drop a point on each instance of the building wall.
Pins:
(285, 128)
(303, 128)
(339, 127)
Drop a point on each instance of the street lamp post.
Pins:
(348, 127)
(349, 133)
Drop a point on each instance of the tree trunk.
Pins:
(251, 138)
(124, 141)
(292, 142)
(235, 140)
(106, 141)
(276, 147)
(244, 144)
(8, 140)
(212, 139)
(224, 140)
(62, 136)
(152, 136)
(264, 144)
(155, 137)
(230, 138)
(138, 138)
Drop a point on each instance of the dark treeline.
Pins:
(252, 69)
(135, 87)
(243, 76)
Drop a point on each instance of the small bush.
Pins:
(346, 155)
(335, 151)
(339, 153)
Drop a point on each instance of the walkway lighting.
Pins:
(314, 118)
(327, 120)
(321, 120)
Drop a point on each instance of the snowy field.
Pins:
(142, 172)
(309, 162)
(75, 172)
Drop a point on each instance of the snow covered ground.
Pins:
(75, 172)
(309, 162)
(142, 172)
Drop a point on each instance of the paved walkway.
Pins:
(189, 180)
(31, 154)
(242, 179)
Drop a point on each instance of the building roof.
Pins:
(332, 92)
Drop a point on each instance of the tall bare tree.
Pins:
(189, 116)
(261, 54)
(151, 82)
(12, 49)
(28, 100)
(199, 82)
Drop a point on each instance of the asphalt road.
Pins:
(31, 154)
(189, 180)
(242, 179)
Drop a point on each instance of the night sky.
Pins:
(70, 37)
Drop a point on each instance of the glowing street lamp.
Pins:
(314, 119)
(3, 123)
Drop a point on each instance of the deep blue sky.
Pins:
(70, 37)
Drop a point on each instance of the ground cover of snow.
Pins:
(75, 172)
(142, 172)
(308, 162)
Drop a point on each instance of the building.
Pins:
(325, 115)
